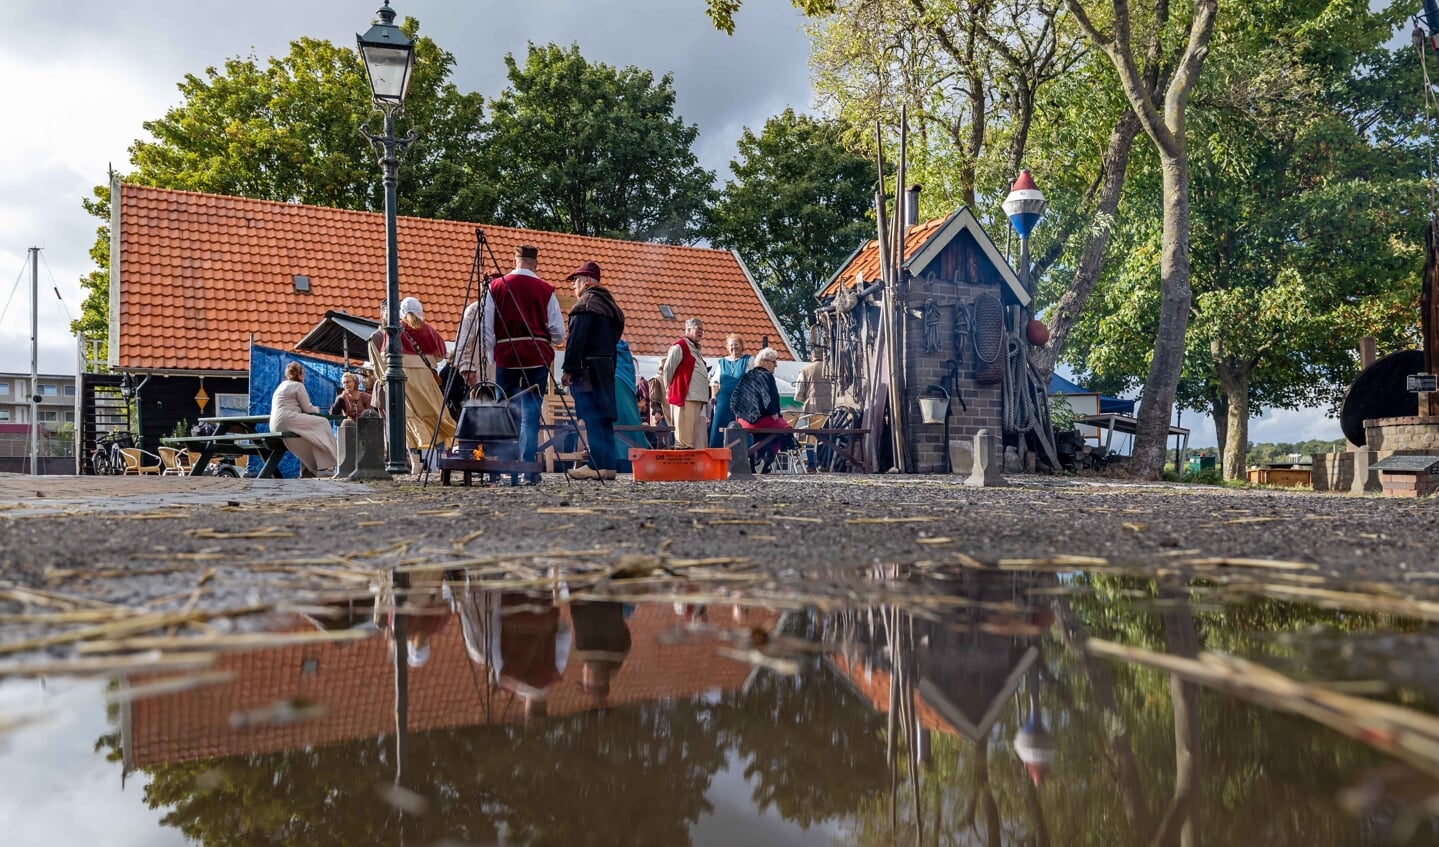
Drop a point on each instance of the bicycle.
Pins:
(106, 459)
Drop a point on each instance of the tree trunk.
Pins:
(1235, 383)
(1113, 168)
(1152, 437)
(1220, 405)
(1181, 821)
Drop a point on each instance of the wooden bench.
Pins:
(761, 436)
(269, 446)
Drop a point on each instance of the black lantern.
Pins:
(389, 56)
(127, 388)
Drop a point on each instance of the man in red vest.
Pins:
(522, 323)
(687, 378)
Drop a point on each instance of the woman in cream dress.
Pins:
(292, 411)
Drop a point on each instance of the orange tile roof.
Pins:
(355, 683)
(866, 260)
(199, 274)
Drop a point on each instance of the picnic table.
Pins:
(841, 441)
(236, 436)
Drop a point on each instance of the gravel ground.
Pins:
(54, 537)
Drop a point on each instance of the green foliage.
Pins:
(1265, 454)
(795, 208)
(590, 149)
(721, 12)
(287, 130)
(1061, 414)
(94, 320)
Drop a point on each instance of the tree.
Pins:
(991, 85)
(289, 131)
(794, 210)
(590, 149)
(1162, 115)
(1307, 210)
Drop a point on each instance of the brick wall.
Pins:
(981, 408)
(1409, 433)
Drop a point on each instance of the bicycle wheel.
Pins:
(99, 463)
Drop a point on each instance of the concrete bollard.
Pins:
(986, 472)
(369, 447)
(737, 442)
(961, 458)
(347, 448)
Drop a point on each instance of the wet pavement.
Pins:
(832, 662)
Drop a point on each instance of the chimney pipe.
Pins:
(911, 205)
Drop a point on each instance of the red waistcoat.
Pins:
(522, 339)
(680, 388)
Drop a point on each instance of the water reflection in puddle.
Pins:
(1009, 708)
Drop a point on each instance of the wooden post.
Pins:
(1368, 351)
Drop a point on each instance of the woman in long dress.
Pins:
(292, 411)
(723, 379)
(424, 403)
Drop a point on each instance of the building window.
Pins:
(4, 389)
(48, 390)
(230, 405)
(48, 417)
(4, 415)
(69, 417)
(666, 312)
(70, 390)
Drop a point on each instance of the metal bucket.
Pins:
(934, 408)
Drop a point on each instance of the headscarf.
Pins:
(411, 306)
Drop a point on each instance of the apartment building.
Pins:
(55, 408)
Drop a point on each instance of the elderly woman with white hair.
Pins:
(755, 404)
(423, 348)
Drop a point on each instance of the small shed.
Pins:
(958, 302)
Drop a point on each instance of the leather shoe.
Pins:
(583, 473)
(606, 473)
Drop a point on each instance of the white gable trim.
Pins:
(960, 221)
(773, 318)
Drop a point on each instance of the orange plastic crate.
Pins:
(680, 465)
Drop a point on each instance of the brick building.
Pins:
(958, 302)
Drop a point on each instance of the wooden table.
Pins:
(831, 437)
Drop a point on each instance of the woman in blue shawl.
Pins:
(723, 378)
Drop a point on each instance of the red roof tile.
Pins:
(354, 681)
(199, 274)
(866, 261)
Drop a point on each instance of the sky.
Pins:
(86, 74)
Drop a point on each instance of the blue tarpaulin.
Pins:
(267, 370)
(1107, 405)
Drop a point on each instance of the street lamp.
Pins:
(389, 56)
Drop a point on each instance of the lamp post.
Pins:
(389, 56)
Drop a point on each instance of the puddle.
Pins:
(971, 706)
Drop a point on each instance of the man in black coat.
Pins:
(596, 324)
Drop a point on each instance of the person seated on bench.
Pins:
(292, 411)
(755, 404)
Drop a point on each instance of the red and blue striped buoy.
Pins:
(1025, 204)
